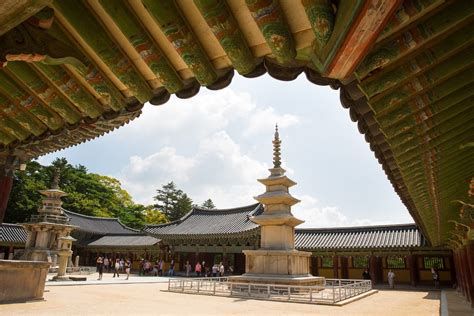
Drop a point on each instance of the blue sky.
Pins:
(216, 144)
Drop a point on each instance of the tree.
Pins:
(88, 193)
(154, 216)
(208, 204)
(172, 202)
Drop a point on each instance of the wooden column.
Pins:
(469, 252)
(413, 265)
(372, 268)
(335, 266)
(452, 265)
(466, 273)
(460, 272)
(344, 268)
(314, 265)
(6, 183)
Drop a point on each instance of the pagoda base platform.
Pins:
(277, 262)
(291, 280)
(22, 280)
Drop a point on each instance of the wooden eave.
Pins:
(404, 70)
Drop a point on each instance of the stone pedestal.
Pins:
(22, 280)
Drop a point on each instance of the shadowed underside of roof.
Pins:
(77, 69)
(209, 222)
(367, 237)
(124, 241)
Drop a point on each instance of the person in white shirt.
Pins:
(221, 269)
(391, 279)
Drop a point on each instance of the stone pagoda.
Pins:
(277, 261)
(47, 228)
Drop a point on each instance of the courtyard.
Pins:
(141, 297)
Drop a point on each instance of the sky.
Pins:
(218, 143)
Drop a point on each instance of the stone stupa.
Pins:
(49, 230)
(277, 261)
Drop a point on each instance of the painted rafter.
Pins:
(363, 33)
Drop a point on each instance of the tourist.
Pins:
(366, 274)
(127, 267)
(391, 279)
(231, 270)
(214, 270)
(100, 267)
(171, 270)
(106, 264)
(117, 268)
(142, 267)
(160, 267)
(187, 267)
(156, 268)
(435, 276)
(204, 268)
(221, 269)
(197, 268)
(122, 265)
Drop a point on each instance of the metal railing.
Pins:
(334, 291)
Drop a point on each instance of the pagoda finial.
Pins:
(56, 175)
(276, 149)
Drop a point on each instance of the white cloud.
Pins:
(316, 215)
(263, 120)
(218, 170)
(192, 149)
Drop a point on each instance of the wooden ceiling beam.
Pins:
(362, 35)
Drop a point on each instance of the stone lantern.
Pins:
(64, 253)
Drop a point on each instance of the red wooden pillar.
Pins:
(452, 265)
(344, 268)
(413, 265)
(469, 251)
(314, 265)
(372, 269)
(6, 183)
(467, 275)
(335, 266)
(460, 278)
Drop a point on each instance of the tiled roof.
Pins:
(12, 234)
(387, 236)
(99, 225)
(124, 241)
(210, 222)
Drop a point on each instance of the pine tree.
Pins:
(172, 202)
(208, 204)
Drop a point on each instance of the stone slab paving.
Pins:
(453, 303)
(150, 299)
(107, 278)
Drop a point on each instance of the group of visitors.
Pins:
(391, 277)
(146, 267)
(117, 265)
(204, 270)
(150, 268)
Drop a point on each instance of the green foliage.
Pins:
(172, 202)
(88, 193)
(208, 204)
(154, 216)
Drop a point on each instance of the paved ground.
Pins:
(140, 297)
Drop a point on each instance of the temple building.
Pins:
(215, 235)
(71, 71)
(94, 236)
